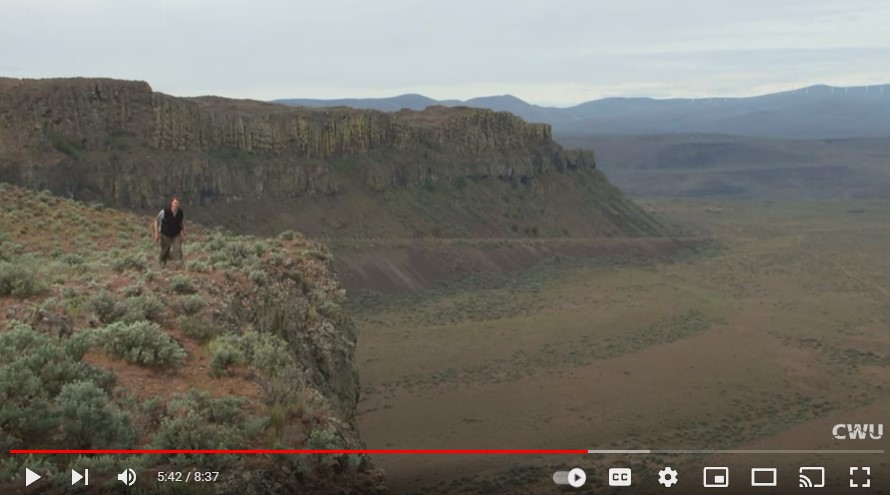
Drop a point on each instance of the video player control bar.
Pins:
(712, 451)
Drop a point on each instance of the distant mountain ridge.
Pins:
(813, 112)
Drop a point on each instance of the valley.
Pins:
(762, 340)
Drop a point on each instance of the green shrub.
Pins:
(77, 344)
(227, 410)
(189, 305)
(225, 355)
(88, 421)
(198, 328)
(182, 285)
(190, 431)
(34, 371)
(315, 253)
(261, 351)
(298, 465)
(144, 307)
(355, 462)
(268, 353)
(197, 421)
(132, 291)
(216, 243)
(18, 281)
(72, 259)
(260, 247)
(106, 308)
(259, 277)
(199, 266)
(331, 310)
(235, 253)
(132, 309)
(321, 439)
(121, 261)
(49, 304)
(142, 343)
(74, 301)
(55, 362)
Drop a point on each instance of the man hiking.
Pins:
(169, 230)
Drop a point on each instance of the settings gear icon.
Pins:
(667, 477)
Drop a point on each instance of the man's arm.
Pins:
(154, 224)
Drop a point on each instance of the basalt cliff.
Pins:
(78, 118)
(120, 143)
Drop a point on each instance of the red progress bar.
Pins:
(280, 452)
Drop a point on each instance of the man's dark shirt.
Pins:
(171, 225)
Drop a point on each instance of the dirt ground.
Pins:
(764, 342)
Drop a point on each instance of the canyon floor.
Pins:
(763, 340)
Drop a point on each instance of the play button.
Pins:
(577, 478)
(30, 477)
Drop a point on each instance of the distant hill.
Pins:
(814, 142)
(409, 101)
(814, 112)
(720, 166)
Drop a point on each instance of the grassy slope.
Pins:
(74, 279)
(576, 203)
(409, 238)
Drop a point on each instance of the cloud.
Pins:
(276, 48)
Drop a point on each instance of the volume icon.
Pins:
(127, 477)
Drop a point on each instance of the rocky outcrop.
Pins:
(120, 141)
(303, 303)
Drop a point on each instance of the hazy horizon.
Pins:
(553, 54)
(882, 87)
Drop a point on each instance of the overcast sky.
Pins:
(550, 52)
